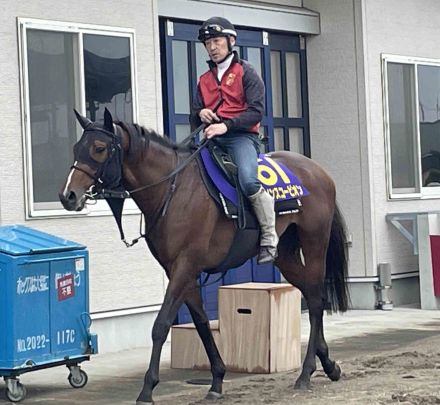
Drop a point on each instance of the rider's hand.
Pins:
(215, 130)
(208, 116)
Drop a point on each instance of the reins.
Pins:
(180, 167)
(189, 139)
(115, 198)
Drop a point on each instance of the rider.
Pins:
(234, 90)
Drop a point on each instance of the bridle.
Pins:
(108, 175)
(104, 188)
(111, 188)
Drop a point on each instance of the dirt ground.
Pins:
(409, 374)
(386, 357)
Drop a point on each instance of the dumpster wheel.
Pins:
(77, 377)
(16, 394)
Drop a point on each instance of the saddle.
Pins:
(230, 171)
(220, 175)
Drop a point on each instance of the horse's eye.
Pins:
(100, 149)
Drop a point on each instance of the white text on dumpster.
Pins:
(32, 284)
(66, 336)
(32, 343)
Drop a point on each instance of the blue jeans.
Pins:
(243, 148)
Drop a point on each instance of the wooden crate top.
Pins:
(259, 286)
(212, 324)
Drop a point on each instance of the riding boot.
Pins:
(263, 205)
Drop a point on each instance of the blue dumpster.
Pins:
(44, 306)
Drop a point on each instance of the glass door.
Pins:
(289, 93)
(184, 60)
(280, 60)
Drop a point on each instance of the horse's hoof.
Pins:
(335, 375)
(212, 395)
(302, 385)
(143, 403)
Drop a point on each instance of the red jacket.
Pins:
(241, 92)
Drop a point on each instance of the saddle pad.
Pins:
(276, 178)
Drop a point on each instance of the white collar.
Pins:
(225, 64)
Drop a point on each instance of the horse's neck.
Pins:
(156, 164)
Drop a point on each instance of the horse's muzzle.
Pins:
(70, 201)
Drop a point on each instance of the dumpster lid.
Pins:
(19, 240)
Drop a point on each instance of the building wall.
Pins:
(126, 286)
(346, 104)
(346, 127)
(338, 133)
(406, 28)
(119, 277)
(289, 3)
(283, 15)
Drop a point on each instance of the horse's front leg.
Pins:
(174, 297)
(198, 314)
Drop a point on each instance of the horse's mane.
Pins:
(140, 138)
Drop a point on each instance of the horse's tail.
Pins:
(337, 265)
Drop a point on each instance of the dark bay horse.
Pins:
(195, 235)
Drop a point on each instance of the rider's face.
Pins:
(218, 48)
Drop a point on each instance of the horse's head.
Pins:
(97, 162)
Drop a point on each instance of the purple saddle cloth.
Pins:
(276, 178)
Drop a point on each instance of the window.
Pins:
(66, 67)
(412, 116)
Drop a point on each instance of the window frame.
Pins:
(101, 207)
(420, 192)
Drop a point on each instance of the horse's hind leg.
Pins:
(290, 265)
(315, 250)
(331, 368)
(314, 297)
(195, 306)
(310, 280)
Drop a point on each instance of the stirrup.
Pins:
(265, 255)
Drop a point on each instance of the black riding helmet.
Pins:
(217, 27)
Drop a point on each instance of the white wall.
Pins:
(337, 119)
(289, 3)
(346, 114)
(119, 277)
(285, 15)
(407, 28)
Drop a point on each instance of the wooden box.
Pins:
(187, 349)
(260, 327)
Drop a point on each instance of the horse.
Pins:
(186, 232)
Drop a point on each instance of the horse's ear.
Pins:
(83, 121)
(108, 120)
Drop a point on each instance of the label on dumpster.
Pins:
(65, 287)
(79, 264)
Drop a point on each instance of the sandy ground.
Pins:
(387, 357)
(409, 374)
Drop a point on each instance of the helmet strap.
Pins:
(228, 38)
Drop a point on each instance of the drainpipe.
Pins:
(383, 288)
